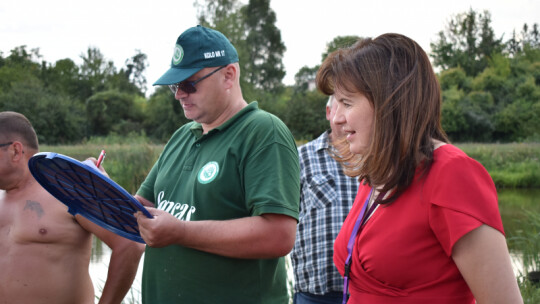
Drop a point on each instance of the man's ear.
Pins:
(328, 111)
(230, 73)
(16, 151)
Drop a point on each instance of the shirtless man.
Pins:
(44, 250)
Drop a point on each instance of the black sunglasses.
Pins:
(189, 86)
(6, 144)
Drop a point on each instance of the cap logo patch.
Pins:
(178, 54)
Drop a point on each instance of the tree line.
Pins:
(490, 86)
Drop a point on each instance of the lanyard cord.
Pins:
(362, 217)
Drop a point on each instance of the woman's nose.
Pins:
(339, 118)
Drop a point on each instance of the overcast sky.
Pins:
(66, 28)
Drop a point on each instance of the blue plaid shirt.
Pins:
(326, 197)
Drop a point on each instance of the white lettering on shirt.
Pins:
(178, 210)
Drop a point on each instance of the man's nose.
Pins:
(180, 94)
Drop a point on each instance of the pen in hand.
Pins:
(101, 158)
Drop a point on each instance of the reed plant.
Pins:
(513, 206)
(530, 292)
(513, 165)
(128, 160)
(526, 244)
(527, 240)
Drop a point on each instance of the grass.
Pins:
(128, 160)
(126, 164)
(514, 165)
(526, 244)
(514, 205)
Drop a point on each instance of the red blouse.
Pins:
(403, 253)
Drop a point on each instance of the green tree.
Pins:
(466, 115)
(531, 38)
(338, 43)
(70, 102)
(455, 78)
(18, 66)
(215, 12)
(226, 17)
(251, 29)
(520, 119)
(305, 77)
(478, 108)
(95, 70)
(277, 104)
(56, 119)
(527, 39)
(496, 80)
(164, 115)
(490, 88)
(120, 81)
(452, 114)
(306, 116)
(468, 42)
(113, 111)
(264, 66)
(63, 78)
(135, 68)
(512, 45)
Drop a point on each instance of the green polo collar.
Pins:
(197, 128)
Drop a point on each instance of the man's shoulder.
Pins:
(263, 118)
(40, 217)
(265, 125)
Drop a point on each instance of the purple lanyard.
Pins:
(359, 222)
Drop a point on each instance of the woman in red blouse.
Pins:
(425, 226)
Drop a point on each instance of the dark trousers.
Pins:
(309, 298)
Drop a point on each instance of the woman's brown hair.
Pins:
(395, 75)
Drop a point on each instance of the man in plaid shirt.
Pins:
(327, 195)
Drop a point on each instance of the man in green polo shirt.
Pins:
(225, 189)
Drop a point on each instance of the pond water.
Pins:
(512, 203)
(98, 272)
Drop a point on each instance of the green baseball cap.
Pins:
(198, 48)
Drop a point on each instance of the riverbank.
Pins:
(514, 165)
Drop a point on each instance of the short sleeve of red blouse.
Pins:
(463, 197)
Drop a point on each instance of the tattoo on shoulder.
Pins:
(34, 206)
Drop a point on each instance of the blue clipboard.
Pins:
(86, 191)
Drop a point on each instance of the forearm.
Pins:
(251, 237)
(264, 236)
(122, 270)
